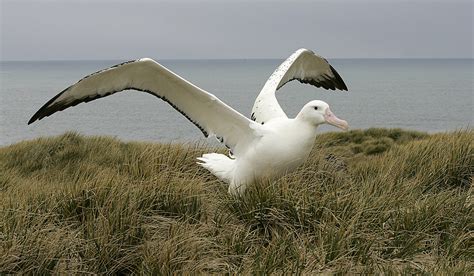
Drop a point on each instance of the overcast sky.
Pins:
(105, 29)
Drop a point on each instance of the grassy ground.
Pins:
(365, 201)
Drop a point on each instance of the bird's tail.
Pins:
(219, 165)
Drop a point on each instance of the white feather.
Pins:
(302, 65)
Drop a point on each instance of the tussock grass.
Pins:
(366, 201)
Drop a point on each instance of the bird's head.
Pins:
(318, 112)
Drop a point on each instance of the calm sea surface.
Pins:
(419, 94)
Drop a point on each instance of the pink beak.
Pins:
(333, 120)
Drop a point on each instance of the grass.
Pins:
(372, 201)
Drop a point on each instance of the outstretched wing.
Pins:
(304, 66)
(206, 111)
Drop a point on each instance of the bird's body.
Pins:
(283, 145)
(269, 145)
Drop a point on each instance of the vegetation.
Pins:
(378, 200)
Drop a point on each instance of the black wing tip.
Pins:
(45, 112)
(33, 119)
(47, 109)
(40, 114)
(338, 80)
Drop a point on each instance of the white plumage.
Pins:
(269, 145)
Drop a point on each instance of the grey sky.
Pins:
(101, 29)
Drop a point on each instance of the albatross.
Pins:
(268, 144)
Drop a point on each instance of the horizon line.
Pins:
(229, 59)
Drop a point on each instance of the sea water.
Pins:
(434, 95)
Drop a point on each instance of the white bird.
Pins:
(268, 145)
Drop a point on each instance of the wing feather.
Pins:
(203, 109)
(304, 66)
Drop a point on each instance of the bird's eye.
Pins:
(315, 108)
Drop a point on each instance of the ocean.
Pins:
(433, 95)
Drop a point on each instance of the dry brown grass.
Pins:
(366, 201)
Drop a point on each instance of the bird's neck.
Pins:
(305, 125)
(303, 119)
